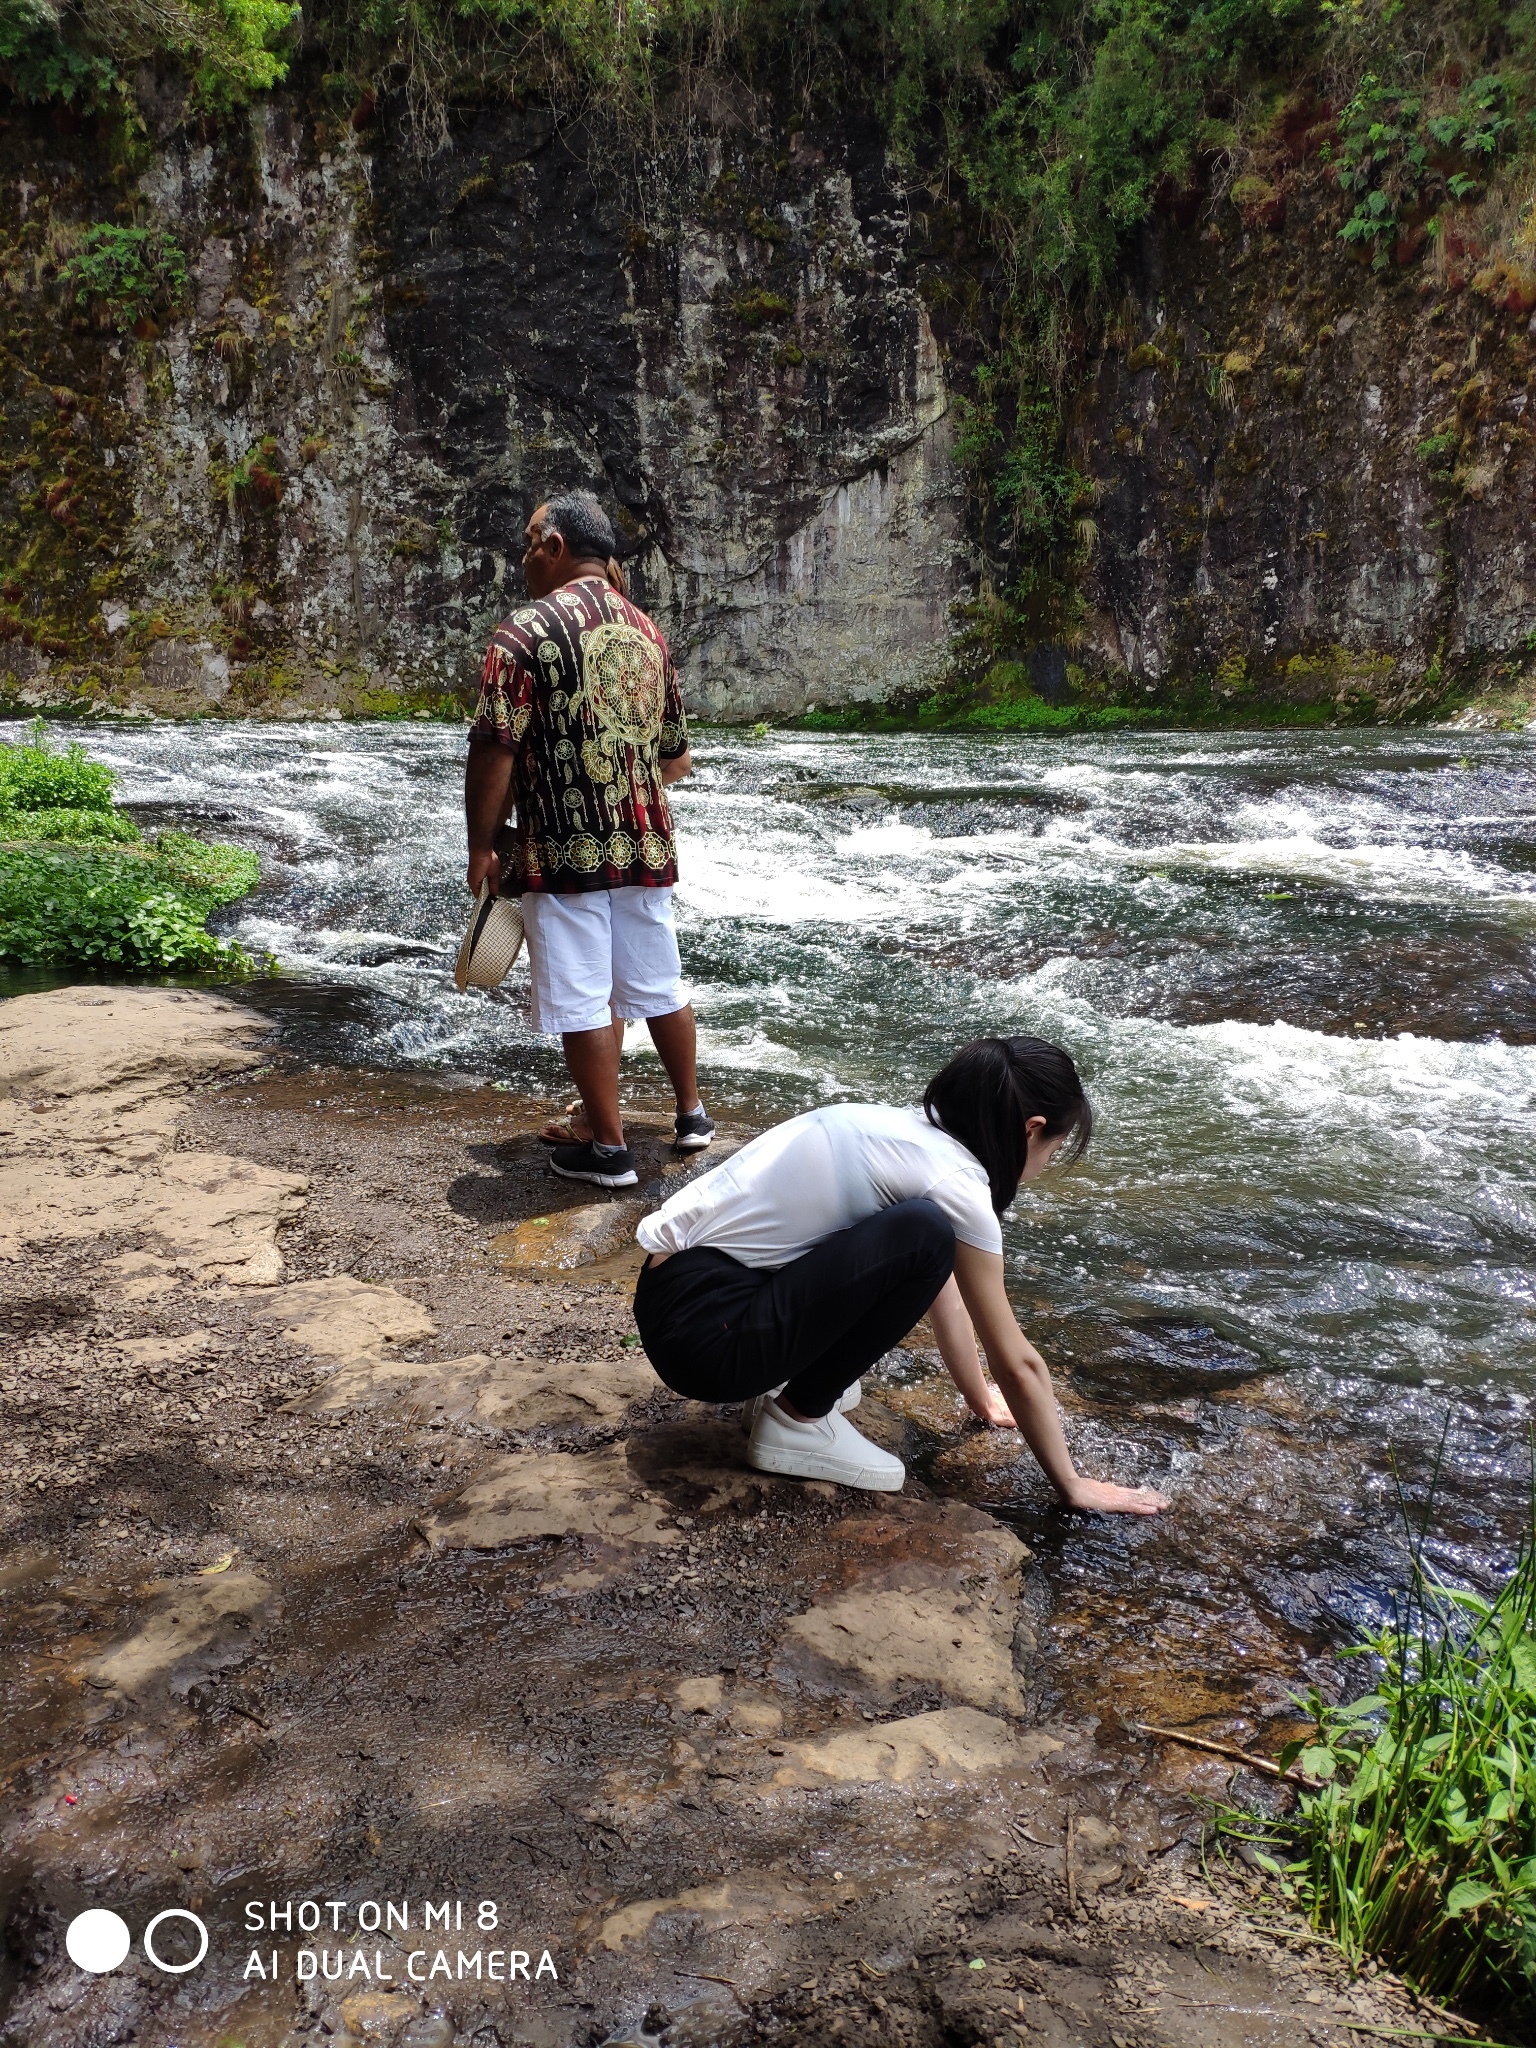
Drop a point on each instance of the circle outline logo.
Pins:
(175, 1913)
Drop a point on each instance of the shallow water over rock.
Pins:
(1292, 1283)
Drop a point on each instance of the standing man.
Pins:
(579, 727)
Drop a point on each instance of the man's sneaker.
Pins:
(603, 1169)
(850, 1397)
(830, 1448)
(694, 1131)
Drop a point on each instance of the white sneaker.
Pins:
(830, 1448)
(850, 1397)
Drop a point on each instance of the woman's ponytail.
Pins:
(616, 576)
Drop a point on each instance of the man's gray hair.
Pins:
(582, 524)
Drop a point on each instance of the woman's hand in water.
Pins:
(1098, 1497)
(992, 1409)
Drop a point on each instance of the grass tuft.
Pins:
(1418, 1844)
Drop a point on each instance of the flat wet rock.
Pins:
(191, 1629)
(590, 1495)
(952, 1633)
(484, 1390)
(922, 1747)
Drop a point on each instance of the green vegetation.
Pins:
(1038, 137)
(1417, 1843)
(1399, 160)
(130, 273)
(81, 53)
(78, 882)
(37, 776)
(67, 827)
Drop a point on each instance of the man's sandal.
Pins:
(572, 1129)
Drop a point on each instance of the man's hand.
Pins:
(484, 867)
(487, 799)
(1098, 1497)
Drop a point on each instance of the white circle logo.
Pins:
(97, 1941)
(174, 1913)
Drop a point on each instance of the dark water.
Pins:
(1300, 974)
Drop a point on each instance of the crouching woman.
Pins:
(791, 1268)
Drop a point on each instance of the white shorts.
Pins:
(599, 950)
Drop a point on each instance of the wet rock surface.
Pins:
(749, 1759)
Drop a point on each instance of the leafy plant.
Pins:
(106, 908)
(204, 872)
(38, 62)
(77, 882)
(128, 272)
(1417, 1841)
(257, 476)
(231, 50)
(38, 775)
(70, 827)
(1397, 161)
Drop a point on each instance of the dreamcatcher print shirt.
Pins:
(581, 687)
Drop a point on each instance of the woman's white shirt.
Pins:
(798, 1183)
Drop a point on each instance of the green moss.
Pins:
(758, 308)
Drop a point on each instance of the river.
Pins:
(1295, 1275)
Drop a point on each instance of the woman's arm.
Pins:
(1021, 1373)
(957, 1347)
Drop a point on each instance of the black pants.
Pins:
(717, 1330)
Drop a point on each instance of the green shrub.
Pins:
(1417, 1844)
(77, 881)
(207, 873)
(105, 908)
(232, 49)
(70, 827)
(128, 272)
(37, 775)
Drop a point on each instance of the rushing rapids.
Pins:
(1293, 1282)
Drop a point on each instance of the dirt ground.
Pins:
(364, 1595)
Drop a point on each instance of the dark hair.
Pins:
(990, 1090)
(582, 524)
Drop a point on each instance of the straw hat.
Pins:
(492, 943)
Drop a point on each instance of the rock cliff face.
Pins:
(304, 486)
(1312, 484)
(310, 486)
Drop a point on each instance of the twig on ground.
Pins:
(708, 1977)
(1242, 1756)
(1071, 1871)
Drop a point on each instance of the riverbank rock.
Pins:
(906, 1752)
(102, 1070)
(193, 1628)
(346, 1319)
(570, 1238)
(495, 1393)
(92, 1083)
(526, 1495)
(946, 1621)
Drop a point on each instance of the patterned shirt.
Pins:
(581, 686)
